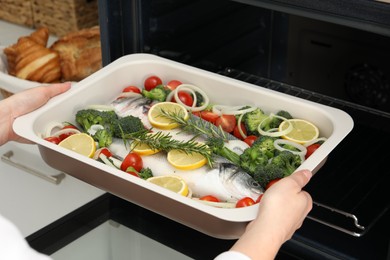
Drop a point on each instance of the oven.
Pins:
(332, 52)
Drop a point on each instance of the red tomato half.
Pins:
(227, 122)
(272, 182)
(259, 198)
(209, 198)
(106, 152)
(185, 97)
(311, 149)
(133, 89)
(53, 139)
(132, 160)
(250, 139)
(245, 202)
(65, 135)
(173, 84)
(152, 82)
(209, 116)
(236, 131)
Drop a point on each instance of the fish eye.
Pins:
(255, 184)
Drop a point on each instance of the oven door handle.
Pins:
(353, 217)
(55, 179)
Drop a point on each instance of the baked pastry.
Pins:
(30, 59)
(80, 53)
(36, 63)
(40, 36)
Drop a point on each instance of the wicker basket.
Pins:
(17, 11)
(63, 16)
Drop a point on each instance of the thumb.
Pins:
(301, 177)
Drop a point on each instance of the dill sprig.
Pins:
(196, 126)
(164, 142)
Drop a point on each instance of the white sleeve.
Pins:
(13, 246)
(232, 255)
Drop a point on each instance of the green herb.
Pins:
(196, 126)
(165, 142)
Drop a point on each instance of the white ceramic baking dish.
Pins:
(104, 85)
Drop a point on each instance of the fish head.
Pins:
(238, 182)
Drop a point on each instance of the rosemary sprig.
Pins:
(164, 142)
(196, 126)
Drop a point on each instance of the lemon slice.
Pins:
(157, 120)
(171, 182)
(80, 143)
(186, 161)
(302, 131)
(142, 148)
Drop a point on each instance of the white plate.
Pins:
(10, 83)
(104, 85)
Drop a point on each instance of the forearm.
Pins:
(258, 242)
(5, 123)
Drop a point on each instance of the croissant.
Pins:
(80, 53)
(40, 36)
(36, 63)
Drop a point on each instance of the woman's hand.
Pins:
(282, 210)
(23, 103)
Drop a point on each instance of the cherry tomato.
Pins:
(173, 84)
(53, 139)
(250, 139)
(311, 149)
(236, 131)
(106, 152)
(152, 82)
(185, 97)
(65, 135)
(133, 89)
(272, 182)
(209, 116)
(227, 122)
(259, 198)
(245, 202)
(196, 113)
(132, 160)
(70, 126)
(209, 198)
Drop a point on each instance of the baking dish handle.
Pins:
(55, 179)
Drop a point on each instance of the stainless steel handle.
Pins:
(56, 179)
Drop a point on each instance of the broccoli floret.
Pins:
(199, 99)
(287, 161)
(266, 173)
(88, 117)
(127, 125)
(266, 145)
(218, 147)
(252, 158)
(103, 137)
(274, 122)
(145, 173)
(252, 120)
(158, 93)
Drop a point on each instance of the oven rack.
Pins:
(354, 213)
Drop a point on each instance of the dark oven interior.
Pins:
(336, 53)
